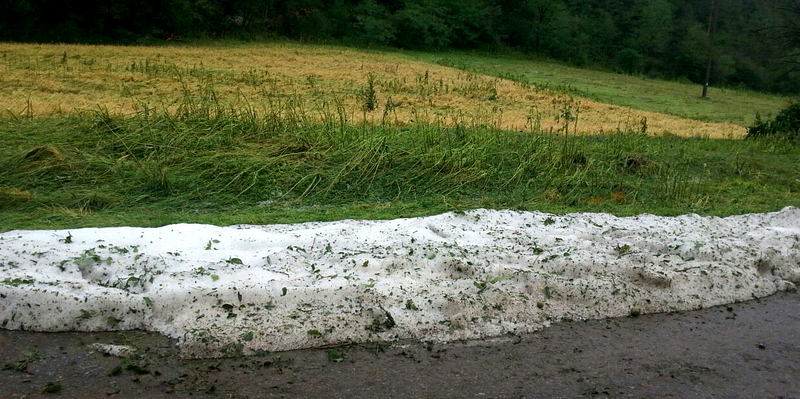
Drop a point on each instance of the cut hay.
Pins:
(319, 80)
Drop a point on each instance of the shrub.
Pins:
(786, 124)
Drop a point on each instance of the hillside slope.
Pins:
(47, 79)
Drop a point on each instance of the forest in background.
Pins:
(755, 42)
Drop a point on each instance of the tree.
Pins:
(653, 27)
(423, 24)
(544, 13)
(372, 23)
(788, 34)
(305, 19)
(712, 27)
(473, 22)
(18, 20)
(690, 53)
(650, 32)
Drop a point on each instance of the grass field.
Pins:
(723, 105)
(224, 134)
(57, 79)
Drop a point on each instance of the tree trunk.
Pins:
(712, 22)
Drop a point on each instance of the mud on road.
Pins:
(745, 350)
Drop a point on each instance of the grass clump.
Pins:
(369, 94)
(40, 161)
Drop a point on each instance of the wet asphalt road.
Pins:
(746, 350)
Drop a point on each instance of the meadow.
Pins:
(263, 133)
(677, 98)
(43, 80)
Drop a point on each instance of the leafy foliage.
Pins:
(659, 37)
(22, 365)
(786, 124)
(372, 23)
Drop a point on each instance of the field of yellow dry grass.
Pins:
(43, 80)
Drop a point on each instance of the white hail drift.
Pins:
(232, 290)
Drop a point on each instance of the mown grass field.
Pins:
(225, 134)
(57, 79)
(682, 99)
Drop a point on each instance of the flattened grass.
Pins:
(210, 163)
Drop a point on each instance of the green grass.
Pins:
(209, 163)
(669, 97)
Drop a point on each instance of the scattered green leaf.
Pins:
(85, 315)
(52, 387)
(214, 366)
(137, 369)
(16, 282)
(335, 355)
(22, 365)
(622, 249)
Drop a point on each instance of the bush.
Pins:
(786, 124)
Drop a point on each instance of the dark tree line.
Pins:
(756, 42)
(787, 34)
